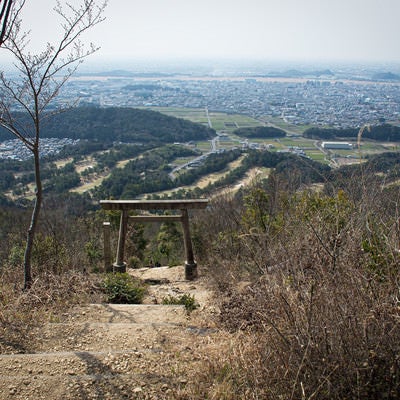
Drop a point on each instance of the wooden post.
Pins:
(190, 264)
(120, 265)
(107, 246)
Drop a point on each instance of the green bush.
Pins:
(185, 300)
(121, 288)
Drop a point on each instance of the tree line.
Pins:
(384, 133)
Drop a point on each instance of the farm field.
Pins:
(219, 121)
(317, 155)
(193, 114)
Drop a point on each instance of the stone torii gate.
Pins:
(147, 205)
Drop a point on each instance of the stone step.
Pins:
(129, 313)
(92, 386)
(114, 336)
(165, 281)
(111, 375)
(88, 362)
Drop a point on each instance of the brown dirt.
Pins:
(104, 351)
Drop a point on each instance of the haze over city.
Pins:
(275, 30)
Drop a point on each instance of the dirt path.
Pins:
(103, 351)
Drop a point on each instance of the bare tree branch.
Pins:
(41, 77)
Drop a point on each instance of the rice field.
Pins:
(219, 121)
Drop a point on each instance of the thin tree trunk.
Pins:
(4, 17)
(34, 220)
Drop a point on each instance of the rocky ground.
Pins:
(104, 351)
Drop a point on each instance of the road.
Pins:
(208, 118)
(213, 149)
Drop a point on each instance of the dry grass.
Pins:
(49, 298)
(327, 339)
(319, 317)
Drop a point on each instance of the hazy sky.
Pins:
(306, 30)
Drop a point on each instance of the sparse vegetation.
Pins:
(185, 300)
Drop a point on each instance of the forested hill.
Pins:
(120, 124)
(263, 132)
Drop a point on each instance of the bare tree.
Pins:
(40, 78)
(9, 10)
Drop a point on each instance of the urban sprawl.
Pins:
(336, 103)
(329, 102)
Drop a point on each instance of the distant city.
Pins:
(14, 149)
(337, 96)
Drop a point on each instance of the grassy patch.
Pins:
(90, 185)
(316, 156)
(185, 300)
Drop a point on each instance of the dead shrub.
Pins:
(320, 318)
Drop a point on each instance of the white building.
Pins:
(337, 145)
